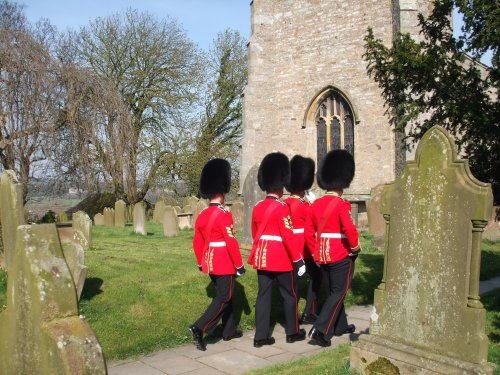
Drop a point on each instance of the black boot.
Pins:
(299, 336)
(319, 337)
(197, 337)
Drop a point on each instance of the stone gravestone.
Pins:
(427, 315)
(170, 222)
(251, 195)
(376, 222)
(237, 212)
(42, 332)
(82, 226)
(98, 219)
(12, 213)
(158, 211)
(177, 209)
(140, 218)
(200, 206)
(187, 209)
(109, 216)
(120, 213)
(492, 230)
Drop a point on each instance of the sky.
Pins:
(201, 19)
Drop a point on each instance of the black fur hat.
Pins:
(274, 172)
(215, 178)
(336, 170)
(301, 174)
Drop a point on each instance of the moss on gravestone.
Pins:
(382, 366)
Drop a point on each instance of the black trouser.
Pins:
(286, 285)
(221, 306)
(315, 276)
(332, 319)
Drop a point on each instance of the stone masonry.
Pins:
(299, 51)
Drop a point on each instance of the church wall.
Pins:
(296, 50)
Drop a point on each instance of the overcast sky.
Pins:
(202, 19)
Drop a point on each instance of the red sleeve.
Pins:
(286, 232)
(348, 226)
(310, 231)
(198, 241)
(232, 244)
(254, 224)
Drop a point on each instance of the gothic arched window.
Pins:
(334, 119)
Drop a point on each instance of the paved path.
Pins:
(238, 355)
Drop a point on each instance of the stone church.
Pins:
(308, 91)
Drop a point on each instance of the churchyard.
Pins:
(142, 292)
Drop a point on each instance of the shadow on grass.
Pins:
(240, 304)
(366, 281)
(91, 288)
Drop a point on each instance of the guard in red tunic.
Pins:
(217, 252)
(275, 251)
(331, 233)
(301, 179)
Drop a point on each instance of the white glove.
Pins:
(310, 196)
(302, 270)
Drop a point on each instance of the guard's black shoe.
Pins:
(197, 337)
(259, 343)
(350, 329)
(319, 338)
(299, 336)
(236, 335)
(308, 319)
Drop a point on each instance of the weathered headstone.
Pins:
(251, 195)
(12, 213)
(237, 212)
(492, 230)
(376, 222)
(109, 216)
(170, 201)
(82, 227)
(170, 222)
(189, 201)
(200, 206)
(158, 211)
(187, 209)
(98, 219)
(185, 220)
(427, 315)
(177, 209)
(140, 218)
(42, 332)
(120, 208)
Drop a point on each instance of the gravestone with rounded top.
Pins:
(428, 317)
(251, 195)
(170, 222)
(158, 211)
(140, 218)
(109, 216)
(200, 206)
(98, 219)
(120, 213)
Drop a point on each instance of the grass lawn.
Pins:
(142, 292)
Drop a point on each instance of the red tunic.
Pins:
(299, 210)
(276, 249)
(339, 235)
(221, 256)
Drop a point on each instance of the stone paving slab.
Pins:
(235, 362)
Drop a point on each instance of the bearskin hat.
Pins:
(301, 174)
(215, 178)
(336, 170)
(274, 172)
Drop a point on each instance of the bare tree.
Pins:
(28, 92)
(155, 69)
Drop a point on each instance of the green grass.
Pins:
(334, 361)
(142, 292)
(491, 302)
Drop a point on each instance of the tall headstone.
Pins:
(185, 220)
(98, 219)
(109, 216)
(82, 227)
(42, 332)
(170, 222)
(120, 213)
(187, 209)
(376, 222)
(428, 317)
(237, 212)
(12, 213)
(158, 211)
(200, 206)
(251, 195)
(140, 218)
